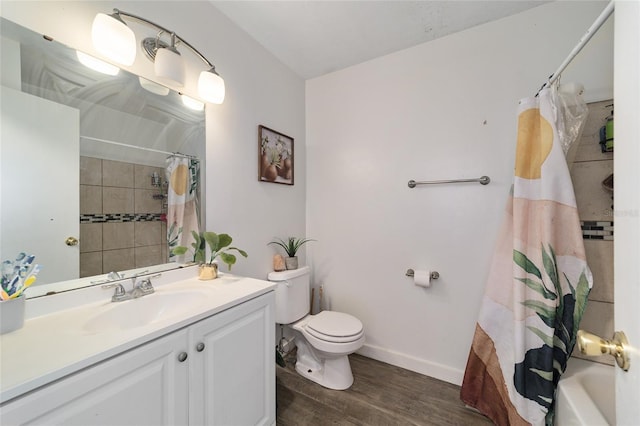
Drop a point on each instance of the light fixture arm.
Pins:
(119, 12)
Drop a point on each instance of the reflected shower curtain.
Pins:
(183, 176)
(538, 282)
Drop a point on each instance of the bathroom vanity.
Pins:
(194, 352)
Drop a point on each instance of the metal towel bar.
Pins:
(483, 180)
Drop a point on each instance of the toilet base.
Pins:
(333, 372)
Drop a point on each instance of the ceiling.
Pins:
(317, 37)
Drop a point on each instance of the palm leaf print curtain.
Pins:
(183, 175)
(538, 282)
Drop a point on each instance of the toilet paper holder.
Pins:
(434, 274)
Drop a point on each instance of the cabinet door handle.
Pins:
(200, 347)
(182, 357)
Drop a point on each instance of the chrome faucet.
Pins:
(139, 289)
(120, 294)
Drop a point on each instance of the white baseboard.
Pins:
(422, 366)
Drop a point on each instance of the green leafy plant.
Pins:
(218, 245)
(292, 245)
(560, 308)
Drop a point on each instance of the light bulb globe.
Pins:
(211, 87)
(169, 66)
(113, 39)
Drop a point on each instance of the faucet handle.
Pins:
(146, 283)
(146, 286)
(119, 294)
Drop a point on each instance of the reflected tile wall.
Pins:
(589, 167)
(117, 235)
(90, 264)
(117, 174)
(90, 199)
(147, 234)
(118, 260)
(144, 201)
(90, 237)
(146, 256)
(90, 171)
(120, 225)
(117, 200)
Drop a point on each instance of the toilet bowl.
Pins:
(325, 340)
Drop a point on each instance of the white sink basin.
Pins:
(143, 311)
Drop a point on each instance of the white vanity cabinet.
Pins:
(232, 370)
(217, 371)
(144, 386)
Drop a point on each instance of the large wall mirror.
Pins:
(83, 157)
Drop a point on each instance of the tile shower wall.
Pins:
(589, 167)
(120, 226)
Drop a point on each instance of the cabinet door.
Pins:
(232, 379)
(144, 386)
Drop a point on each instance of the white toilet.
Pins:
(324, 340)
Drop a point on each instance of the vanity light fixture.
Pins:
(96, 64)
(115, 40)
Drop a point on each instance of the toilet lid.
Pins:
(335, 324)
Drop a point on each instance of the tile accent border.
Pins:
(597, 230)
(120, 217)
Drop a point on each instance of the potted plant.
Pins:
(219, 247)
(291, 247)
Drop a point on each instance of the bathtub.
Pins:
(586, 394)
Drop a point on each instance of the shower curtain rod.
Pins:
(177, 154)
(600, 20)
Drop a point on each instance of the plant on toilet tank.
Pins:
(218, 246)
(291, 247)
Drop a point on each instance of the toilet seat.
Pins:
(334, 327)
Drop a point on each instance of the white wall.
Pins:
(260, 90)
(444, 109)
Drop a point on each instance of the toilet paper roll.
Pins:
(422, 278)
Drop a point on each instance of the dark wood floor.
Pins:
(381, 394)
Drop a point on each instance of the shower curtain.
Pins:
(183, 176)
(538, 282)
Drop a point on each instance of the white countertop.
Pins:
(53, 344)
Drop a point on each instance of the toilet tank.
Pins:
(292, 294)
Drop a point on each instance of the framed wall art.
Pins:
(275, 156)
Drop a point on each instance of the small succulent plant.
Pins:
(292, 244)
